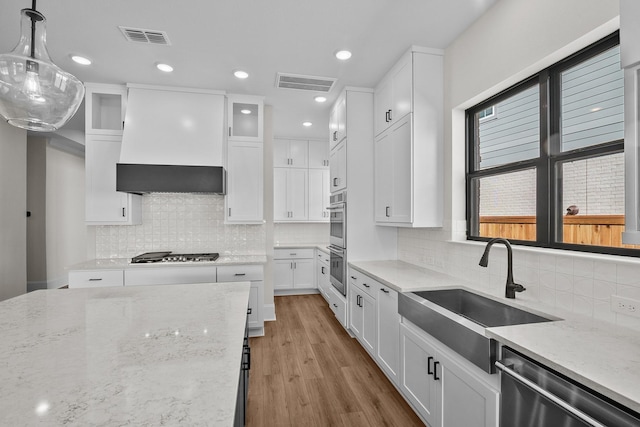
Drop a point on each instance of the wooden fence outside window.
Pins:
(593, 230)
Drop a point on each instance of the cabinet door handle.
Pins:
(123, 212)
(240, 274)
(435, 371)
(335, 135)
(249, 310)
(229, 211)
(335, 305)
(294, 266)
(322, 270)
(386, 211)
(429, 360)
(366, 286)
(354, 277)
(95, 280)
(384, 290)
(390, 116)
(229, 130)
(293, 254)
(386, 116)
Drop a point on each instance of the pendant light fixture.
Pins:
(35, 94)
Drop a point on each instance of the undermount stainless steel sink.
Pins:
(479, 309)
(458, 318)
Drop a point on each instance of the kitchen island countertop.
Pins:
(143, 355)
(598, 354)
(121, 263)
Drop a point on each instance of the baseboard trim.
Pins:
(285, 292)
(269, 312)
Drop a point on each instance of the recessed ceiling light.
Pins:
(164, 67)
(320, 99)
(343, 55)
(245, 111)
(81, 60)
(241, 74)
(307, 124)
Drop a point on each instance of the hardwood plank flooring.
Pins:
(308, 371)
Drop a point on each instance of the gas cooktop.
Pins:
(171, 257)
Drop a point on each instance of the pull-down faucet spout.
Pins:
(511, 287)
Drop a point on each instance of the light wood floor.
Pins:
(308, 371)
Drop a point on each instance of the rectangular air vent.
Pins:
(140, 35)
(300, 82)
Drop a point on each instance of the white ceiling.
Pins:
(210, 39)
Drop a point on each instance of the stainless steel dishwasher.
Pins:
(535, 396)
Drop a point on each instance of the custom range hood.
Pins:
(172, 141)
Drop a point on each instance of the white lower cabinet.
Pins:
(163, 275)
(293, 269)
(255, 275)
(388, 329)
(443, 388)
(322, 274)
(95, 278)
(362, 317)
(338, 304)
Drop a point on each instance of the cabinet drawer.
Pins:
(95, 278)
(240, 273)
(338, 305)
(364, 282)
(322, 258)
(169, 275)
(293, 253)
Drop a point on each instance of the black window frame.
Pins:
(548, 177)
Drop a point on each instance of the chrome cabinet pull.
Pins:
(552, 397)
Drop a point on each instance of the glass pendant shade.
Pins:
(35, 94)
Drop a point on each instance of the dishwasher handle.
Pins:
(552, 397)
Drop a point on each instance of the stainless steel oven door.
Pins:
(338, 225)
(338, 268)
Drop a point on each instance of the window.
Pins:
(548, 169)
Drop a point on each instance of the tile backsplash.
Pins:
(581, 283)
(300, 233)
(180, 223)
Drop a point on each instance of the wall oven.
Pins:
(338, 268)
(535, 396)
(338, 220)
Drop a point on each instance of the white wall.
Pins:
(66, 232)
(13, 207)
(512, 41)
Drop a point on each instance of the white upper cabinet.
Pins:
(338, 167)
(290, 153)
(319, 195)
(338, 122)
(318, 155)
(393, 96)
(244, 202)
(290, 195)
(245, 118)
(104, 115)
(103, 204)
(105, 107)
(409, 142)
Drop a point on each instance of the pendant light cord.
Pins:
(33, 30)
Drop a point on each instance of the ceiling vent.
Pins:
(300, 82)
(139, 35)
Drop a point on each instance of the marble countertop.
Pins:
(140, 355)
(122, 263)
(602, 356)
